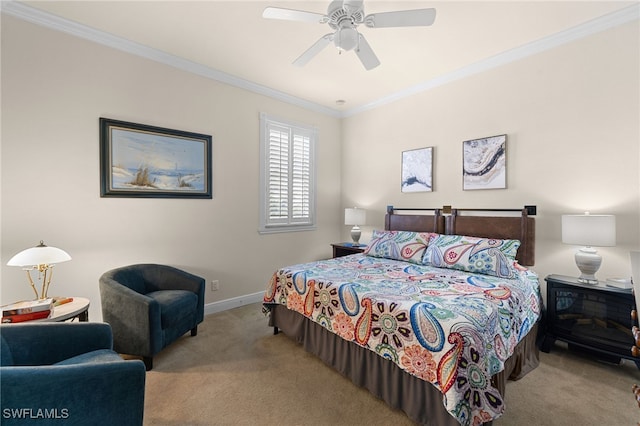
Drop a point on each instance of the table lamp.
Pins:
(41, 258)
(355, 217)
(589, 230)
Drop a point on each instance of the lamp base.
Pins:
(588, 279)
(355, 235)
(588, 261)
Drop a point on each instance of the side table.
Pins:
(79, 308)
(345, 249)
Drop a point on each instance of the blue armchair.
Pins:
(67, 373)
(150, 306)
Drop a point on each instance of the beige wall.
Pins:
(54, 89)
(571, 115)
(572, 118)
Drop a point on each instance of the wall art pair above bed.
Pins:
(484, 166)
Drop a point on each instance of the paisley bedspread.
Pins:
(451, 328)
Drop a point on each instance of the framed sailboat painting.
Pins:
(138, 160)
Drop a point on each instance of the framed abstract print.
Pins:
(484, 163)
(417, 170)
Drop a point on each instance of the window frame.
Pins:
(289, 223)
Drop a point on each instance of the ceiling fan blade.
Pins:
(313, 50)
(293, 15)
(401, 18)
(366, 55)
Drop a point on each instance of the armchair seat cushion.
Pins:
(96, 357)
(176, 306)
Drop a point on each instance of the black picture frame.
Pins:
(143, 161)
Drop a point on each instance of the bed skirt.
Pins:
(420, 400)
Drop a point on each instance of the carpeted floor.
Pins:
(236, 372)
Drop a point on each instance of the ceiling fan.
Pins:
(344, 16)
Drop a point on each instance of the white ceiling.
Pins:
(232, 37)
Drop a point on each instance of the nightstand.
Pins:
(594, 317)
(345, 249)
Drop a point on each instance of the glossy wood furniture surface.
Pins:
(345, 249)
(591, 317)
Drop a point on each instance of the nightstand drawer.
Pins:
(345, 249)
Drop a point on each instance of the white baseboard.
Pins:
(236, 302)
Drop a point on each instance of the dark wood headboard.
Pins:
(414, 222)
(520, 227)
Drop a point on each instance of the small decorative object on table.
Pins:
(57, 301)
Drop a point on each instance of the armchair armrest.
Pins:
(58, 341)
(97, 394)
(130, 314)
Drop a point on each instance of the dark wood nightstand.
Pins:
(594, 317)
(345, 249)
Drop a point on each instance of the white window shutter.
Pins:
(288, 184)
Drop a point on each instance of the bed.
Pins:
(433, 318)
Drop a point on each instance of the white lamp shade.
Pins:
(355, 216)
(39, 255)
(592, 230)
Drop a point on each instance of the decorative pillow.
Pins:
(399, 245)
(472, 254)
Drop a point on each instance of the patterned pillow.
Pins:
(399, 245)
(472, 254)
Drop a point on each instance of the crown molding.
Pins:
(588, 28)
(45, 19)
(38, 17)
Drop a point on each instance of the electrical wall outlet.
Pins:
(215, 285)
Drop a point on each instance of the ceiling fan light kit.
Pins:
(346, 38)
(344, 17)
